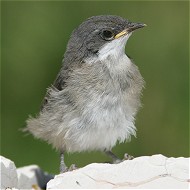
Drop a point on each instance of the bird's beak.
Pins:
(131, 27)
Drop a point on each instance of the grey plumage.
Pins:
(93, 101)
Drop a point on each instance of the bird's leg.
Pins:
(115, 159)
(72, 167)
(63, 167)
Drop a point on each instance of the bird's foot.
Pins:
(127, 157)
(63, 169)
(117, 161)
(72, 167)
(66, 169)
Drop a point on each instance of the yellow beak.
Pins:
(121, 34)
(131, 28)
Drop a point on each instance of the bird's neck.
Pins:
(113, 56)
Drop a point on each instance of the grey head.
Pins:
(94, 33)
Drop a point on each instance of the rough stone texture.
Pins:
(146, 172)
(32, 176)
(28, 177)
(155, 171)
(8, 172)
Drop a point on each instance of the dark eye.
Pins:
(107, 34)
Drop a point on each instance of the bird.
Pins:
(93, 101)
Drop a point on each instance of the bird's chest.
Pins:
(106, 100)
(108, 110)
(110, 103)
(107, 92)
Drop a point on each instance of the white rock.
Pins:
(155, 171)
(27, 176)
(8, 173)
(32, 176)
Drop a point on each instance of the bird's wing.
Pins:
(57, 85)
(60, 81)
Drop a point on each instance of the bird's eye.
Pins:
(107, 34)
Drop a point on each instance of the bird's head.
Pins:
(99, 35)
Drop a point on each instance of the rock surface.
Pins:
(32, 176)
(8, 176)
(28, 177)
(155, 171)
(146, 172)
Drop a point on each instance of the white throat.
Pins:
(113, 55)
(114, 49)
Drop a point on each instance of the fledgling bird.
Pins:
(93, 101)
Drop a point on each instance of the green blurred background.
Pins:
(34, 37)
